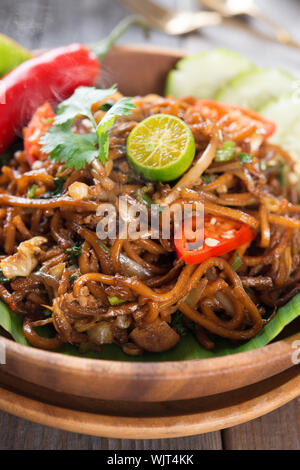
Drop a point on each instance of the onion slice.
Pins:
(194, 173)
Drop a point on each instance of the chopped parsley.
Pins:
(72, 278)
(245, 157)
(177, 323)
(237, 262)
(74, 251)
(3, 278)
(226, 153)
(31, 191)
(103, 246)
(58, 189)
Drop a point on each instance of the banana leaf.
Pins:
(12, 323)
(187, 349)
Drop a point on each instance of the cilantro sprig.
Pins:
(75, 150)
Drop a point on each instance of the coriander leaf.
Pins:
(31, 191)
(177, 323)
(3, 278)
(58, 190)
(123, 107)
(237, 262)
(245, 157)
(72, 278)
(75, 150)
(80, 103)
(74, 251)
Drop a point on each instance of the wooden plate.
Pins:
(148, 420)
(141, 70)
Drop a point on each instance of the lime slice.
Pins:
(161, 148)
(11, 54)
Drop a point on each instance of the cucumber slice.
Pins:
(256, 88)
(285, 112)
(202, 75)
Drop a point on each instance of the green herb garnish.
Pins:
(103, 246)
(46, 312)
(177, 323)
(245, 157)
(72, 278)
(74, 251)
(31, 191)
(58, 189)
(114, 300)
(143, 197)
(206, 179)
(237, 262)
(3, 278)
(226, 153)
(75, 150)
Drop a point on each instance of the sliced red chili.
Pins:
(38, 126)
(221, 235)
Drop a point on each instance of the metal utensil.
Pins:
(173, 22)
(231, 8)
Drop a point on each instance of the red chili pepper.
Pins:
(52, 76)
(216, 110)
(37, 127)
(221, 235)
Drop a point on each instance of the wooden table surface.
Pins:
(44, 23)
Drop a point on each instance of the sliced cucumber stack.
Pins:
(256, 88)
(202, 75)
(285, 112)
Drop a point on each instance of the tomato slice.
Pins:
(40, 122)
(241, 117)
(221, 235)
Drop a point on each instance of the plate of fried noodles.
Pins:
(69, 288)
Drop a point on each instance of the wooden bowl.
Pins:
(141, 70)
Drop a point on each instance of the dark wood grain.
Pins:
(278, 430)
(17, 434)
(43, 23)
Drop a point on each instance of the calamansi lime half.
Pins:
(161, 147)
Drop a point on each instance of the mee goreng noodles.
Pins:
(55, 269)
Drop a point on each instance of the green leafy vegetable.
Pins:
(245, 157)
(47, 312)
(206, 179)
(123, 107)
(12, 323)
(113, 300)
(3, 278)
(237, 262)
(227, 153)
(178, 324)
(143, 197)
(75, 150)
(72, 278)
(31, 191)
(74, 251)
(58, 189)
(103, 246)
(80, 103)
